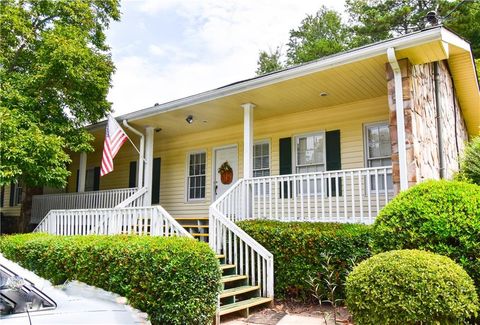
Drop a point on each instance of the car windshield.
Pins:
(18, 295)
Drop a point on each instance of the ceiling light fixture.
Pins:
(323, 94)
(189, 119)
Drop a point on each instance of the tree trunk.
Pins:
(26, 210)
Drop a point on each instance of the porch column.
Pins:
(149, 132)
(247, 140)
(82, 172)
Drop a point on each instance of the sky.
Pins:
(168, 49)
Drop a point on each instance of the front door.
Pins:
(222, 155)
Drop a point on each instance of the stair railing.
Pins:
(152, 221)
(225, 237)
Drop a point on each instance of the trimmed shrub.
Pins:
(175, 280)
(438, 216)
(410, 287)
(470, 163)
(301, 249)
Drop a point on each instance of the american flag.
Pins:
(114, 139)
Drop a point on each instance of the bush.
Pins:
(439, 216)
(175, 280)
(301, 250)
(410, 287)
(470, 163)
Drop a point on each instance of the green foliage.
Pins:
(438, 216)
(316, 37)
(56, 70)
(470, 162)
(410, 287)
(302, 249)
(175, 280)
(373, 20)
(269, 62)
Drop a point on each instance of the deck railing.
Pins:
(153, 221)
(347, 196)
(250, 258)
(42, 204)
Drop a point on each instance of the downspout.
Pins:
(141, 153)
(441, 156)
(399, 109)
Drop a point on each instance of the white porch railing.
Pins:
(250, 258)
(153, 221)
(346, 196)
(42, 204)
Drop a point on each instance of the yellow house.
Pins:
(328, 140)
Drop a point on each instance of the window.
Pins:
(18, 193)
(378, 151)
(261, 159)
(310, 153)
(196, 176)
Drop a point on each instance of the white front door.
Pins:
(226, 154)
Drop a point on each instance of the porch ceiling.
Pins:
(349, 83)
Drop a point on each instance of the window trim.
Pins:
(262, 141)
(365, 141)
(187, 176)
(294, 148)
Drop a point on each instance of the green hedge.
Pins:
(300, 251)
(175, 280)
(438, 216)
(410, 287)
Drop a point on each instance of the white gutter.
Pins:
(141, 153)
(402, 152)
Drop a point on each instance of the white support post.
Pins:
(82, 172)
(248, 140)
(149, 132)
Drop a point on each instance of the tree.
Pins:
(376, 20)
(56, 71)
(269, 61)
(317, 36)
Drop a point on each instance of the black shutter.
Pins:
(156, 181)
(332, 139)
(285, 160)
(78, 176)
(132, 176)
(285, 156)
(2, 196)
(12, 194)
(96, 178)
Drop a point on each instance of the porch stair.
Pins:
(196, 226)
(237, 295)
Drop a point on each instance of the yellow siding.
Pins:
(6, 209)
(173, 152)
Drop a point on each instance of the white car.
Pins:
(27, 299)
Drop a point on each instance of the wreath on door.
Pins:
(226, 173)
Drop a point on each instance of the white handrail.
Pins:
(42, 204)
(153, 221)
(135, 200)
(249, 256)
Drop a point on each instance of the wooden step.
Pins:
(191, 218)
(220, 256)
(244, 304)
(238, 291)
(232, 278)
(195, 226)
(227, 266)
(196, 234)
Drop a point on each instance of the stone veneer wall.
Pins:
(421, 125)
